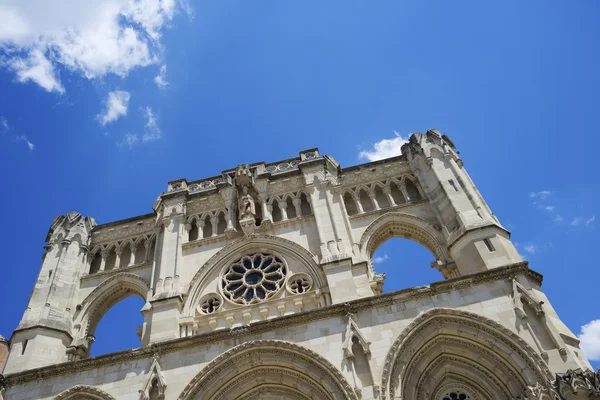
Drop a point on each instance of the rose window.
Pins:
(253, 278)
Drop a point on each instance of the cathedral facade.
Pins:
(258, 284)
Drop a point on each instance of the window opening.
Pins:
(453, 185)
(24, 346)
(488, 244)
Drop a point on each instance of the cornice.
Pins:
(383, 211)
(336, 310)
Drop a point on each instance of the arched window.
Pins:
(361, 365)
(221, 223)
(207, 229)
(397, 194)
(154, 390)
(290, 209)
(304, 205)
(412, 190)
(140, 252)
(276, 214)
(120, 327)
(95, 264)
(405, 264)
(382, 199)
(111, 259)
(193, 234)
(365, 201)
(125, 254)
(350, 204)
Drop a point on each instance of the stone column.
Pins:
(104, 255)
(374, 199)
(388, 192)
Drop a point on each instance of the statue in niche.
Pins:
(246, 206)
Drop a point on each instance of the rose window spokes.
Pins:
(254, 278)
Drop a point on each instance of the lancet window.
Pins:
(121, 254)
(289, 206)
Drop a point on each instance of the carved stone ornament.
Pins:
(155, 383)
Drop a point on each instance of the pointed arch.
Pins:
(106, 295)
(240, 247)
(407, 226)
(84, 392)
(442, 344)
(264, 366)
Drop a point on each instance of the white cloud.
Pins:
(549, 208)
(152, 131)
(590, 340)
(3, 125)
(542, 195)
(576, 221)
(379, 259)
(36, 68)
(530, 248)
(385, 148)
(116, 105)
(129, 140)
(558, 218)
(30, 145)
(590, 220)
(161, 78)
(92, 38)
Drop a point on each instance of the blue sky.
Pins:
(101, 104)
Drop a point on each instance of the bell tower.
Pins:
(45, 331)
(476, 239)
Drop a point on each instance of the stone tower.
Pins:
(258, 284)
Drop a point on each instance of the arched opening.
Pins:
(446, 351)
(154, 390)
(111, 260)
(304, 205)
(350, 204)
(193, 233)
(221, 223)
(361, 365)
(397, 193)
(290, 209)
(412, 191)
(276, 213)
(405, 264)
(119, 328)
(96, 262)
(125, 254)
(365, 201)
(269, 369)
(140, 252)
(382, 199)
(207, 229)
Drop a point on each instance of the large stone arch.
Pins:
(82, 392)
(240, 247)
(263, 369)
(445, 347)
(397, 224)
(106, 295)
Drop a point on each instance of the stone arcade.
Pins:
(258, 284)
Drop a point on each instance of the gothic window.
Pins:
(276, 214)
(207, 229)
(221, 223)
(125, 254)
(455, 395)
(253, 278)
(304, 205)
(111, 260)
(397, 193)
(193, 235)
(140, 252)
(210, 303)
(350, 204)
(95, 264)
(154, 390)
(365, 201)
(290, 209)
(299, 283)
(381, 198)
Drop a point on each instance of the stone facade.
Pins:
(259, 284)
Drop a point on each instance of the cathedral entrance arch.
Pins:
(269, 369)
(446, 352)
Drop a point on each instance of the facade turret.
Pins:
(46, 329)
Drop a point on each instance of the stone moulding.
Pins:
(336, 310)
(83, 392)
(220, 364)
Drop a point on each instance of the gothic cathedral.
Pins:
(258, 283)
